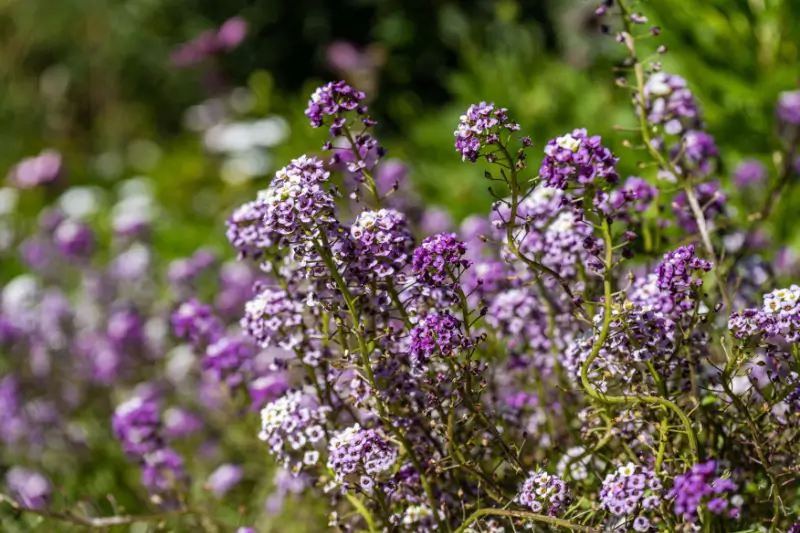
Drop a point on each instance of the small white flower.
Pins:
(568, 142)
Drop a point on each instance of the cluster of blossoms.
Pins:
(362, 454)
(680, 273)
(334, 100)
(778, 319)
(670, 103)
(634, 493)
(439, 260)
(384, 242)
(436, 334)
(293, 426)
(480, 128)
(425, 382)
(137, 425)
(577, 160)
(207, 44)
(545, 493)
(701, 488)
(36, 171)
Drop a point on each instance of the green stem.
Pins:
(350, 303)
(590, 389)
(558, 522)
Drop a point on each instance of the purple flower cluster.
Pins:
(196, 322)
(631, 492)
(635, 195)
(247, 233)
(137, 425)
(545, 493)
(227, 37)
(788, 107)
(750, 172)
(334, 99)
(701, 488)
(42, 169)
(778, 319)
(383, 242)
(680, 272)
(436, 334)
(363, 454)
(273, 317)
(439, 260)
(74, 239)
(479, 128)
(292, 426)
(577, 160)
(296, 201)
(669, 103)
(29, 488)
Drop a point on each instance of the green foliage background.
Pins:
(89, 77)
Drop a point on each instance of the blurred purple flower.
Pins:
(224, 478)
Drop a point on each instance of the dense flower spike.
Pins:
(273, 317)
(669, 103)
(362, 454)
(633, 492)
(544, 493)
(436, 334)
(334, 99)
(480, 128)
(297, 202)
(701, 488)
(439, 260)
(292, 426)
(675, 273)
(384, 242)
(575, 160)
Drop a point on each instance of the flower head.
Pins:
(576, 160)
(480, 127)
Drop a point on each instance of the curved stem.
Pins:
(587, 385)
(354, 316)
(95, 523)
(558, 522)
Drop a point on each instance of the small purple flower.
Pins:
(196, 322)
(162, 470)
(74, 238)
(30, 488)
(700, 487)
(334, 99)
(136, 424)
(669, 103)
(229, 359)
(576, 159)
(384, 242)
(788, 108)
(544, 493)
(39, 170)
(480, 127)
(436, 334)
(224, 478)
(439, 260)
(231, 33)
(750, 172)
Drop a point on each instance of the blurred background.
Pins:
(140, 103)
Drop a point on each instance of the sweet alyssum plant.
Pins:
(595, 355)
